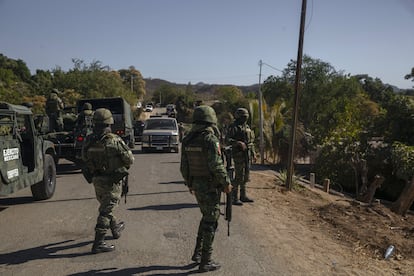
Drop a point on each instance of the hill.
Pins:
(203, 90)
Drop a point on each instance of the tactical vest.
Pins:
(85, 120)
(197, 156)
(88, 121)
(105, 155)
(52, 104)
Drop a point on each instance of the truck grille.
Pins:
(159, 139)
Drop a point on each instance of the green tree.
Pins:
(132, 78)
(276, 90)
(167, 94)
(93, 81)
(398, 122)
(18, 67)
(14, 80)
(402, 157)
(229, 94)
(43, 82)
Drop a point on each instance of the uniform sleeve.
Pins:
(215, 162)
(126, 154)
(61, 104)
(184, 166)
(251, 143)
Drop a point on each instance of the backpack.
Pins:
(109, 155)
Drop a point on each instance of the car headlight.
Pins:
(174, 139)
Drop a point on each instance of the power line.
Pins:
(274, 68)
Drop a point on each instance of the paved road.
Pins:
(54, 237)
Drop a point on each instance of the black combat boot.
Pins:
(116, 229)
(243, 196)
(99, 244)
(197, 251)
(207, 264)
(236, 200)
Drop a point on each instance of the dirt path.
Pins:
(321, 234)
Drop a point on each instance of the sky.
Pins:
(211, 41)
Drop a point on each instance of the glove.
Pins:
(241, 145)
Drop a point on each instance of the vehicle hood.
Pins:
(159, 132)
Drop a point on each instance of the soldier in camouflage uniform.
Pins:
(206, 177)
(241, 138)
(84, 119)
(54, 107)
(107, 160)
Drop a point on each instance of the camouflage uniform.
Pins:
(205, 175)
(241, 138)
(54, 107)
(107, 159)
(84, 119)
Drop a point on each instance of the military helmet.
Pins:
(103, 116)
(55, 91)
(87, 106)
(241, 112)
(204, 114)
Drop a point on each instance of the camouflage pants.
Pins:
(209, 204)
(108, 194)
(241, 174)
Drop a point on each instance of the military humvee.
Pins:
(26, 159)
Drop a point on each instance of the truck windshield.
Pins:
(160, 124)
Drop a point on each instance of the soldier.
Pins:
(241, 138)
(206, 177)
(84, 119)
(107, 160)
(54, 107)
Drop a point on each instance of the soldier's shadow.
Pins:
(185, 270)
(67, 168)
(49, 251)
(166, 207)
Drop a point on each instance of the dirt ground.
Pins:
(328, 234)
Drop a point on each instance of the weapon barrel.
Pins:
(228, 211)
(125, 188)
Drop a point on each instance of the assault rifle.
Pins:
(125, 188)
(246, 158)
(229, 198)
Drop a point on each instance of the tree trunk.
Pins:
(369, 195)
(364, 176)
(405, 200)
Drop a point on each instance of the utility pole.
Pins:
(261, 115)
(160, 98)
(132, 83)
(290, 169)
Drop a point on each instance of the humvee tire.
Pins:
(46, 188)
